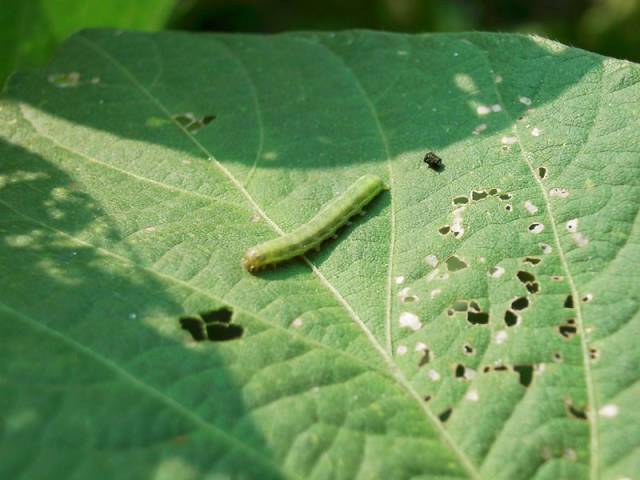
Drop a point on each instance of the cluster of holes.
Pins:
(461, 201)
(191, 123)
(474, 314)
(529, 281)
(214, 325)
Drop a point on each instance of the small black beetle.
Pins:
(433, 160)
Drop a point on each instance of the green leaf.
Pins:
(31, 29)
(137, 168)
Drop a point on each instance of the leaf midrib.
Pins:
(397, 374)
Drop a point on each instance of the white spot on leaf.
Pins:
(421, 347)
(472, 395)
(536, 132)
(546, 248)
(297, 323)
(536, 228)
(401, 350)
(530, 207)
(572, 225)
(409, 320)
(483, 110)
(433, 375)
(525, 101)
(496, 272)
(399, 280)
(501, 337)
(610, 410)
(431, 260)
(435, 292)
(508, 140)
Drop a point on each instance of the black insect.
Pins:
(433, 160)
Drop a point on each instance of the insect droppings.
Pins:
(323, 225)
(433, 160)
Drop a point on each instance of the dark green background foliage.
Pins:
(30, 29)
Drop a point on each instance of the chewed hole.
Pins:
(478, 195)
(533, 287)
(195, 326)
(525, 374)
(587, 298)
(525, 277)
(568, 302)
(508, 207)
(220, 332)
(572, 225)
(496, 272)
(460, 200)
(557, 278)
(520, 303)
(444, 229)
(567, 331)
(460, 305)
(473, 306)
(191, 122)
(542, 172)
(464, 373)
(532, 260)
(594, 354)
(575, 412)
(467, 349)
(505, 196)
(444, 416)
(214, 325)
(536, 228)
(221, 315)
(557, 357)
(511, 319)
(425, 358)
(454, 264)
(478, 318)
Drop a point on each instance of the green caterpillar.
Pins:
(322, 226)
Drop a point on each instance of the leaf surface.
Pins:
(130, 190)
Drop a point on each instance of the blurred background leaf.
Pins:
(31, 29)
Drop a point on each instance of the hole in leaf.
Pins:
(520, 303)
(508, 207)
(504, 196)
(221, 315)
(214, 325)
(525, 277)
(511, 319)
(500, 368)
(493, 191)
(444, 416)
(568, 303)
(567, 331)
(557, 357)
(536, 227)
(533, 287)
(191, 123)
(575, 412)
(460, 371)
(478, 318)
(221, 332)
(525, 374)
(475, 195)
(532, 260)
(195, 326)
(427, 398)
(474, 306)
(460, 200)
(594, 354)
(426, 356)
(444, 230)
(460, 306)
(556, 278)
(467, 349)
(454, 264)
(542, 172)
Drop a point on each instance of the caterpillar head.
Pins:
(253, 260)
